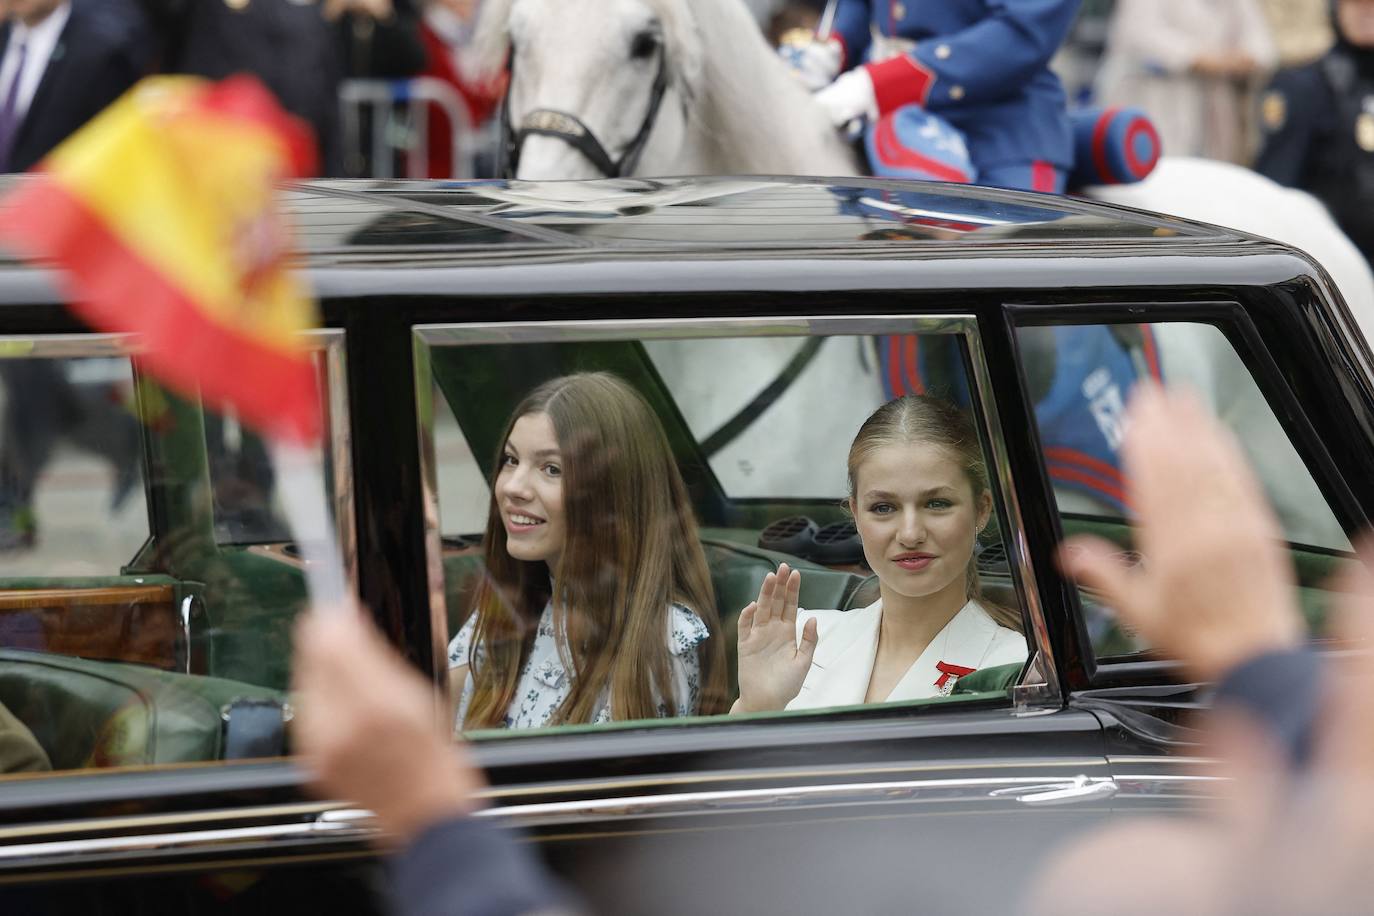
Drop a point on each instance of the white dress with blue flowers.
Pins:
(545, 683)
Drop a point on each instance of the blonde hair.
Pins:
(631, 550)
(917, 418)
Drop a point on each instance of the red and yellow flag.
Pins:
(162, 214)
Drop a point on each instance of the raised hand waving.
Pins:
(772, 661)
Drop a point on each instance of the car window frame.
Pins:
(95, 345)
(1037, 687)
(1232, 318)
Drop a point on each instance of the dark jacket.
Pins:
(96, 59)
(292, 49)
(1318, 123)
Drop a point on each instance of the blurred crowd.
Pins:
(64, 60)
(1285, 86)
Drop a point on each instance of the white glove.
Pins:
(849, 97)
(813, 62)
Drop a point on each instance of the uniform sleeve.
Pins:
(852, 27)
(687, 631)
(460, 647)
(1289, 117)
(465, 867)
(987, 61)
(1283, 691)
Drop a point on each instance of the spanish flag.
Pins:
(162, 215)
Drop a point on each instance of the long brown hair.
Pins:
(932, 421)
(631, 549)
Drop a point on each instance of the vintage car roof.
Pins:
(754, 213)
(371, 237)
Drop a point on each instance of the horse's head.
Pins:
(596, 85)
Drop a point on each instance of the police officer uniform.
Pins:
(982, 65)
(1318, 123)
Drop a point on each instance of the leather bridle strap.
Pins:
(569, 128)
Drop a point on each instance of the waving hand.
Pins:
(772, 662)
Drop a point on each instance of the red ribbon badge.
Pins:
(948, 671)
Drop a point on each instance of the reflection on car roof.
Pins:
(377, 222)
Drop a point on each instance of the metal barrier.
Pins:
(395, 116)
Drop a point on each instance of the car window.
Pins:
(564, 452)
(132, 630)
(1080, 379)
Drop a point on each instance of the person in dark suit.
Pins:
(62, 62)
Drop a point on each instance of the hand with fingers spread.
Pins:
(772, 661)
(1285, 837)
(1215, 587)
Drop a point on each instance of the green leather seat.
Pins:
(88, 713)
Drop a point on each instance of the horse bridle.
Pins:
(569, 128)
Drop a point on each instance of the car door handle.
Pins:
(1067, 792)
(347, 819)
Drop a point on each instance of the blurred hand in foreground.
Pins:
(1278, 842)
(1215, 586)
(1216, 591)
(371, 730)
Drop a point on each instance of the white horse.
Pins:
(730, 106)
(727, 108)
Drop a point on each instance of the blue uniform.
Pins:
(1079, 415)
(983, 66)
(1318, 123)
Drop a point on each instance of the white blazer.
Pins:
(848, 642)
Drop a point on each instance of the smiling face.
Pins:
(918, 517)
(529, 491)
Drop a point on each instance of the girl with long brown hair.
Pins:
(596, 603)
(918, 490)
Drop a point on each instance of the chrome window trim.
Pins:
(339, 450)
(1038, 688)
(333, 343)
(62, 346)
(336, 823)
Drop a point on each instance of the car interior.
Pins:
(174, 656)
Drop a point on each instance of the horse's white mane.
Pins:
(761, 120)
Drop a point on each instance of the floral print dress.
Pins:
(545, 683)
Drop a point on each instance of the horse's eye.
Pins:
(644, 45)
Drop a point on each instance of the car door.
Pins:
(760, 412)
(648, 814)
(147, 590)
(1284, 377)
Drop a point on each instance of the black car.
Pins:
(146, 641)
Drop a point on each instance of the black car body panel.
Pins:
(631, 803)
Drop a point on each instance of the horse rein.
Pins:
(569, 128)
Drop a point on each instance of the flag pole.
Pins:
(300, 483)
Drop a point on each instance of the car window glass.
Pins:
(132, 631)
(1080, 379)
(573, 463)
